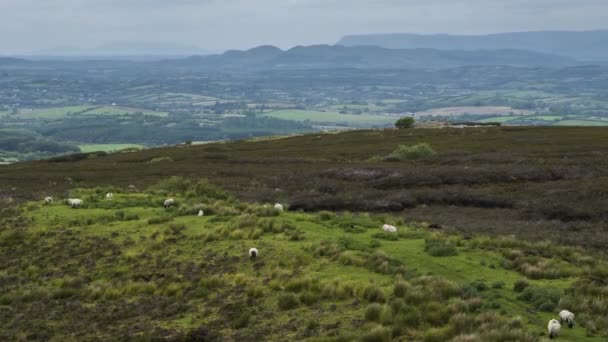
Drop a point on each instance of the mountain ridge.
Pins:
(583, 45)
(338, 56)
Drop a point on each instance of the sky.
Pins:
(215, 25)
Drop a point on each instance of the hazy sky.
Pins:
(31, 25)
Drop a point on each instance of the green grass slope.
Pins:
(128, 269)
(526, 181)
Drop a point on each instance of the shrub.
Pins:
(373, 293)
(544, 299)
(418, 151)
(520, 285)
(378, 334)
(326, 215)
(172, 184)
(309, 298)
(373, 312)
(406, 122)
(205, 189)
(498, 284)
(479, 285)
(255, 292)
(400, 289)
(242, 320)
(439, 247)
(288, 301)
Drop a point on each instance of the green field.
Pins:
(117, 110)
(501, 119)
(581, 123)
(129, 268)
(87, 148)
(53, 113)
(333, 118)
(61, 112)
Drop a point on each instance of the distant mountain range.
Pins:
(336, 56)
(124, 49)
(582, 45)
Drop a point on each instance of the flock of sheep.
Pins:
(553, 327)
(168, 203)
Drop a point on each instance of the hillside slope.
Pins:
(128, 269)
(328, 56)
(524, 181)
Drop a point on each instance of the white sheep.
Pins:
(566, 316)
(48, 200)
(201, 213)
(74, 202)
(109, 196)
(169, 203)
(253, 253)
(278, 206)
(389, 229)
(553, 327)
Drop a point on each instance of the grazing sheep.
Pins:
(74, 202)
(389, 229)
(553, 327)
(566, 316)
(109, 196)
(253, 253)
(169, 203)
(278, 206)
(48, 200)
(201, 213)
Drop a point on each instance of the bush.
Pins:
(479, 285)
(373, 293)
(378, 334)
(173, 184)
(520, 285)
(288, 301)
(544, 299)
(404, 152)
(440, 247)
(326, 215)
(400, 289)
(498, 284)
(406, 122)
(205, 189)
(309, 298)
(373, 312)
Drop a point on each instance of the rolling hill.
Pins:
(496, 232)
(583, 45)
(330, 57)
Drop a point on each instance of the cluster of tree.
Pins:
(164, 130)
(23, 141)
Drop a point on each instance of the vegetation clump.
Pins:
(406, 122)
(414, 152)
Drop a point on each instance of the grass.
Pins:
(101, 276)
(88, 148)
(581, 123)
(524, 181)
(62, 112)
(333, 118)
(119, 110)
(54, 113)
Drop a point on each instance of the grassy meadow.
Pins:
(88, 148)
(62, 112)
(331, 117)
(129, 269)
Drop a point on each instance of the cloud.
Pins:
(27, 25)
